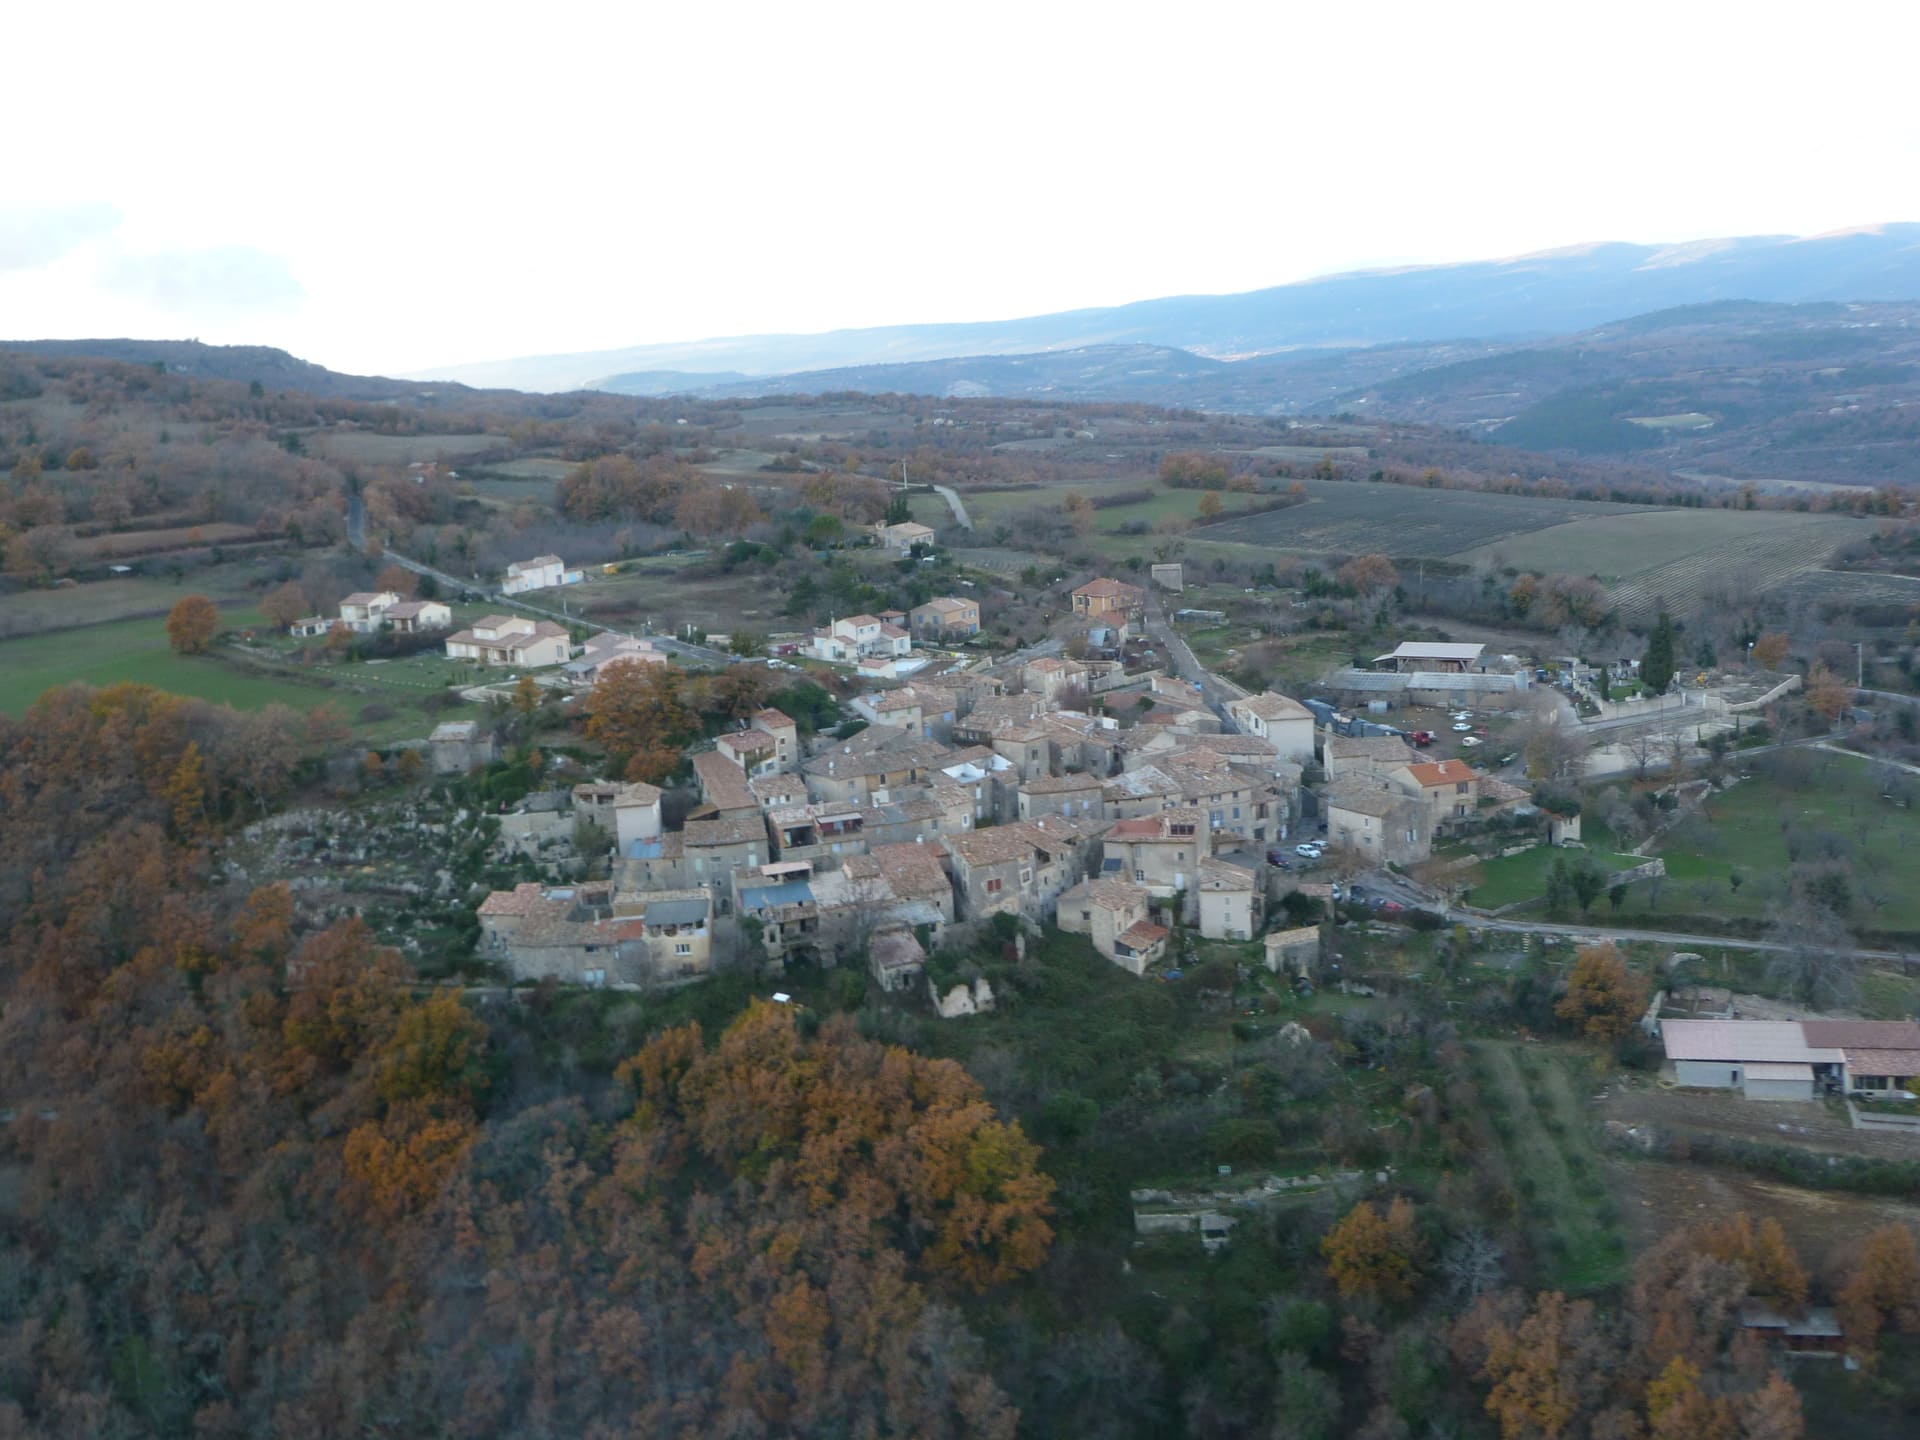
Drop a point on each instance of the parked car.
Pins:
(1279, 857)
(1461, 727)
(1307, 848)
(1421, 738)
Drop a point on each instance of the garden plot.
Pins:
(1401, 520)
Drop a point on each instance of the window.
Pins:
(1139, 876)
(993, 887)
(1461, 788)
(593, 977)
(1409, 835)
(683, 949)
(1236, 812)
(1026, 875)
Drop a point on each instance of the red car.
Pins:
(1421, 737)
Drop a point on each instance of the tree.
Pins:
(397, 578)
(638, 709)
(1368, 1253)
(1814, 964)
(1772, 1412)
(1603, 998)
(1770, 650)
(527, 695)
(1884, 1286)
(191, 625)
(284, 604)
(1827, 693)
(1656, 668)
(1210, 505)
(1677, 1408)
(1079, 512)
(1368, 574)
(1587, 880)
(1554, 752)
(1548, 1371)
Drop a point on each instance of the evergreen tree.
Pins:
(1657, 668)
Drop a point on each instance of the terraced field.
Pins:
(1849, 587)
(1399, 520)
(1759, 560)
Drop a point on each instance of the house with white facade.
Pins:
(858, 637)
(1273, 717)
(543, 572)
(364, 611)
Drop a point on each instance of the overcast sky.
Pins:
(386, 188)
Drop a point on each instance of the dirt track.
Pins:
(1807, 1127)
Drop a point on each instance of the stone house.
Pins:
(1018, 869)
(904, 535)
(1160, 852)
(1364, 757)
(1116, 916)
(1050, 677)
(605, 650)
(1285, 722)
(894, 957)
(724, 786)
(592, 934)
(1077, 796)
(1449, 788)
(1229, 901)
(458, 746)
(1384, 825)
(1293, 951)
(628, 812)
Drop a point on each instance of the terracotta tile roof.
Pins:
(1142, 935)
(1224, 875)
(1442, 772)
(772, 719)
(1867, 1034)
(742, 830)
(1108, 588)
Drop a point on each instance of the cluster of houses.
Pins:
(881, 647)
(368, 612)
(968, 796)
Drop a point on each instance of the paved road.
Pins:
(954, 503)
(1660, 937)
(1215, 690)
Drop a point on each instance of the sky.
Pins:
(390, 188)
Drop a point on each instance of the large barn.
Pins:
(1793, 1059)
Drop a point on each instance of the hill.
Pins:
(1529, 295)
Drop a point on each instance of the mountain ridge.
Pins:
(1548, 292)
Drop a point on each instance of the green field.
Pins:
(1514, 878)
(1746, 834)
(137, 651)
(1542, 1128)
(373, 449)
(31, 612)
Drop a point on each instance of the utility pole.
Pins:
(1859, 666)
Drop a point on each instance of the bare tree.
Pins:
(1815, 965)
(1473, 1265)
(1555, 751)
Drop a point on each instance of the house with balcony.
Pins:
(365, 611)
(945, 617)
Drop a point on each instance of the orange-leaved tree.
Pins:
(637, 708)
(191, 624)
(1370, 1253)
(1603, 998)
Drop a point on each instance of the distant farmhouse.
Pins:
(543, 572)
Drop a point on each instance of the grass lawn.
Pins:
(1745, 833)
(1513, 878)
(137, 650)
(133, 650)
